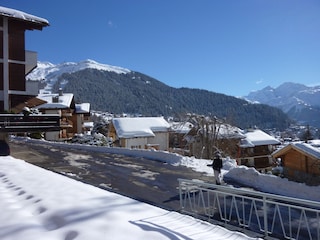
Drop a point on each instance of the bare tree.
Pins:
(206, 130)
(210, 134)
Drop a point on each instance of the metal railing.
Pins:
(17, 123)
(273, 215)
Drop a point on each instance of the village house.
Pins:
(300, 162)
(83, 123)
(140, 132)
(256, 148)
(75, 118)
(15, 61)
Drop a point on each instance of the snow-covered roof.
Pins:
(8, 12)
(257, 137)
(306, 148)
(228, 131)
(82, 107)
(60, 102)
(140, 126)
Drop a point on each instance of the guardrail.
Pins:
(272, 215)
(15, 123)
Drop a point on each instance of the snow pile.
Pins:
(39, 204)
(272, 184)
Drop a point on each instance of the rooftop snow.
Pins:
(22, 15)
(139, 127)
(83, 108)
(64, 101)
(303, 147)
(258, 138)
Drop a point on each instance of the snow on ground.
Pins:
(38, 204)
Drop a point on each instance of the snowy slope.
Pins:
(50, 72)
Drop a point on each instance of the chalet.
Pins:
(140, 132)
(75, 118)
(256, 148)
(15, 61)
(82, 121)
(300, 161)
(62, 104)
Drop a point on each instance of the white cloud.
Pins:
(111, 24)
(260, 81)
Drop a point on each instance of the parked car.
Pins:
(4, 148)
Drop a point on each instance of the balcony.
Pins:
(31, 61)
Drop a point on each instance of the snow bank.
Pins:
(272, 184)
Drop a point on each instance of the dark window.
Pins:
(16, 42)
(17, 77)
(1, 44)
(1, 76)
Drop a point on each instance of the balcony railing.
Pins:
(269, 214)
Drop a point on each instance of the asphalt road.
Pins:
(143, 179)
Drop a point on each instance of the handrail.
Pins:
(271, 214)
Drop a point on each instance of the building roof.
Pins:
(19, 15)
(257, 137)
(31, 103)
(304, 148)
(140, 126)
(82, 107)
(56, 101)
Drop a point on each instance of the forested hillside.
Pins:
(140, 94)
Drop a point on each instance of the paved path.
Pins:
(139, 178)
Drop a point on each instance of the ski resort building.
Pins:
(15, 61)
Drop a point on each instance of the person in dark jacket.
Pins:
(216, 165)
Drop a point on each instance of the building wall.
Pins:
(12, 55)
(139, 143)
(295, 161)
(160, 141)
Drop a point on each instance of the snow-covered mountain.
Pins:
(119, 90)
(50, 72)
(300, 102)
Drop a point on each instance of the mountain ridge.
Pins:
(133, 92)
(300, 102)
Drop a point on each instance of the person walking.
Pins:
(217, 165)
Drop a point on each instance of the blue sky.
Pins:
(226, 46)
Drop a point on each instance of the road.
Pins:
(143, 179)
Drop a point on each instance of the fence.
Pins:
(17, 123)
(271, 215)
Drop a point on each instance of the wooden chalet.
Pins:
(256, 148)
(300, 161)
